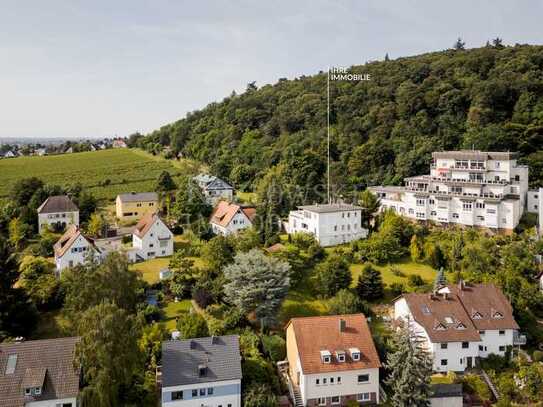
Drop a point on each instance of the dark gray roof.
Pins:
(59, 203)
(47, 361)
(181, 360)
(475, 155)
(138, 196)
(207, 181)
(445, 390)
(328, 208)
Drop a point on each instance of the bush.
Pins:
(537, 356)
(345, 302)
(152, 313)
(202, 296)
(192, 325)
(396, 289)
(126, 239)
(275, 347)
(259, 395)
(473, 384)
(415, 280)
(395, 270)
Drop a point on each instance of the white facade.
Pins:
(64, 219)
(238, 222)
(78, 253)
(69, 402)
(156, 242)
(226, 393)
(330, 224)
(535, 205)
(470, 188)
(455, 356)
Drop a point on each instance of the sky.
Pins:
(79, 69)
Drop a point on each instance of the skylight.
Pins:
(426, 310)
(12, 362)
(449, 320)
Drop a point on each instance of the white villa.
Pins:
(458, 324)
(74, 248)
(214, 189)
(57, 211)
(331, 224)
(151, 238)
(476, 188)
(332, 360)
(228, 218)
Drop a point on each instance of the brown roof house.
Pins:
(74, 248)
(57, 212)
(458, 324)
(229, 218)
(151, 238)
(332, 359)
(39, 373)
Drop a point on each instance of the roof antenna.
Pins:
(328, 132)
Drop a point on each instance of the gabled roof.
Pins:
(207, 181)
(316, 334)
(224, 212)
(59, 203)
(330, 208)
(145, 224)
(138, 197)
(459, 315)
(47, 363)
(182, 359)
(67, 240)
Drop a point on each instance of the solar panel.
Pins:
(12, 362)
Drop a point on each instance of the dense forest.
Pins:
(383, 130)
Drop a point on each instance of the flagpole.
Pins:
(328, 132)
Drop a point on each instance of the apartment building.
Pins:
(331, 224)
(458, 324)
(133, 206)
(332, 360)
(475, 188)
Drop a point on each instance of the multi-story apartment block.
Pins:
(331, 224)
(475, 188)
(332, 360)
(458, 324)
(201, 372)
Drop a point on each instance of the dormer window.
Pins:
(326, 356)
(355, 354)
(460, 326)
(340, 355)
(37, 391)
(497, 315)
(476, 315)
(440, 327)
(28, 391)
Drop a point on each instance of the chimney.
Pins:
(213, 339)
(342, 325)
(192, 344)
(202, 370)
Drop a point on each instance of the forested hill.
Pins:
(487, 98)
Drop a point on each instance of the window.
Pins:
(363, 397)
(338, 380)
(355, 356)
(480, 205)
(502, 332)
(443, 362)
(341, 357)
(481, 332)
(363, 378)
(27, 391)
(331, 380)
(431, 201)
(326, 359)
(421, 202)
(433, 213)
(335, 399)
(411, 211)
(209, 391)
(481, 348)
(324, 381)
(317, 381)
(195, 393)
(322, 401)
(465, 345)
(455, 216)
(502, 348)
(202, 392)
(444, 345)
(177, 395)
(466, 206)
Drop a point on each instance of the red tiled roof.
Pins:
(224, 212)
(67, 239)
(314, 334)
(145, 223)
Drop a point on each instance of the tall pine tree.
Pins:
(370, 284)
(410, 369)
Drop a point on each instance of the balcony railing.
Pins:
(519, 339)
(428, 178)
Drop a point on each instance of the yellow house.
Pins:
(133, 206)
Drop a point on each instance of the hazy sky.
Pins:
(99, 68)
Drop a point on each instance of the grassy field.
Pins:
(126, 169)
(172, 311)
(407, 267)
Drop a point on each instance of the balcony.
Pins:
(519, 339)
(449, 180)
(457, 194)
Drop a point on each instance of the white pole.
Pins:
(328, 132)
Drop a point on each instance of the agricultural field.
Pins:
(104, 173)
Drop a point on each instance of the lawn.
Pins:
(126, 169)
(172, 311)
(150, 269)
(406, 266)
(246, 197)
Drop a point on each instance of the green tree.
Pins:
(270, 206)
(332, 275)
(165, 182)
(37, 277)
(218, 252)
(257, 283)
(107, 353)
(345, 302)
(260, 395)
(184, 275)
(410, 370)
(370, 283)
(23, 190)
(459, 45)
(96, 225)
(17, 233)
(275, 347)
(190, 203)
(192, 325)
(415, 249)
(370, 205)
(87, 205)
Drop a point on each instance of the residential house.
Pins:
(40, 152)
(69, 150)
(458, 324)
(332, 360)
(228, 218)
(10, 154)
(39, 373)
(331, 224)
(133, 206)
(535, 205)
(119, 143)
(214, 189)
(74, 248)
(57, 212)
(474, 188)
(201, 372)
(151, 238)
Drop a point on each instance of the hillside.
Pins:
(383, 130)
(126, 170)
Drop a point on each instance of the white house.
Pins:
(331, 224)
(229, 218)
(331, 360)
(40, 152)
(74, 248)
(57, 212)
(201, 372)
(119, 143)
(475, 188)
(214, 189)
(458, 324)
(151, 238)
(9, 154)
(39, 373)
(535, 205)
